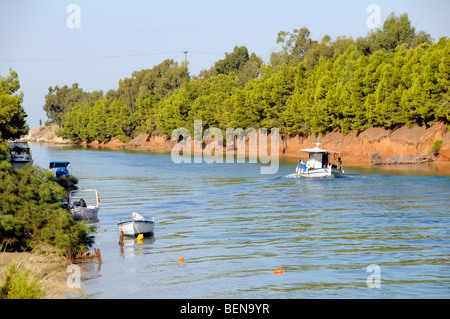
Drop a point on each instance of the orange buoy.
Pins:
(278, 271)
(181, 259)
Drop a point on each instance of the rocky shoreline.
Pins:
(45, 134)
(378, 159)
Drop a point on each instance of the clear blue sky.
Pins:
(116, 38)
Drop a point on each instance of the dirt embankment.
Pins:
(402, 145)
(51, 270)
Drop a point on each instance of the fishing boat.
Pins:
(84, 204)
(320, 163)
(19, 154)
(62, 175)
(137, 225)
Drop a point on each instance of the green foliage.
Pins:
(395, 31)
(436, 147)
(295, 46)
(394, 76)
(30, 209)
(12, 114)
(20, 284)
(233, 61)
(31, 214)
(245, 66)
(60, 99)
(132, 108)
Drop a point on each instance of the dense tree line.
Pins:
(391, 77)
(31, 216)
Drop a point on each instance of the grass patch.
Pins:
(19, 283)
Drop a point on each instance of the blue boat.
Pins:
(62, 175)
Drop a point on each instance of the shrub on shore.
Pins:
(20, 284)
(435, 149)
(31, 213)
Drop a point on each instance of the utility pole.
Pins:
(185, 58)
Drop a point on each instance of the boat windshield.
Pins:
(318, 160)
(89, 197)
(58, 164)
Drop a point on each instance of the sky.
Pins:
(50, 43)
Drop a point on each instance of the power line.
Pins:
(206, 53)
(88, 58)
(106, 56)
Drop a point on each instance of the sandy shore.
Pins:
(52, 270)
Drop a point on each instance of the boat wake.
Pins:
(297, 176)
(293, 175)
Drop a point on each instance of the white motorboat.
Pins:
(137, 225)
(320, 163)
(84, 204)
(19, 154)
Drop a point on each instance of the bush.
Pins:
(31, 213)
(436, 147)
(20, 284)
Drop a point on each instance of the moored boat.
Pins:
(19, 154)
(82, 210)
(137, 225)
(62, 175)
(320, 163)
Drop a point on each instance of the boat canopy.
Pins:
(19, 147)
(59, 164)
(18, 144)
(317, 150)
(137, 216)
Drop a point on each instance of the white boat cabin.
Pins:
(320, 163)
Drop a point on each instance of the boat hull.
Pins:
(84, 213)
(66, 181)
(19, 164)
(134, 228)
(320, 172)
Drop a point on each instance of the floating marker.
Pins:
(181, 259)
(140, 237)
(278, 271)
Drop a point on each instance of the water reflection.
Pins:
(133, 247)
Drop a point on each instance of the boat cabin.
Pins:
(19, 154)
(320, 158)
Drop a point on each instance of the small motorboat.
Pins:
(82, 210)
(137, 225)
(319, 163)
(62, 175)
(19, 154)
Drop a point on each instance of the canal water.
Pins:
(377, 232)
